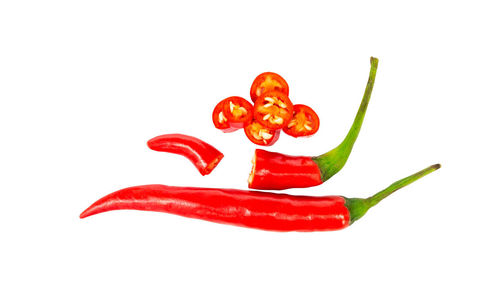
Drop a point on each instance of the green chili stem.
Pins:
(358, 206)
(333, 161)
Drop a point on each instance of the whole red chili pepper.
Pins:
(276, 171)
(259, 210)
(204, 156)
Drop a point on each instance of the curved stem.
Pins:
(358, 207)
(333, 161)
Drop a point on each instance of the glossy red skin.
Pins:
(225, 127)
(258, 210)
(267, 82)
(276, 171)
(310, 114)
(270, 142)
(203, 155)
(258, 116)
(232, 120)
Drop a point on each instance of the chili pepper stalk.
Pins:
(257, 210)
(276, 171)
(359, 206)
(331, 162)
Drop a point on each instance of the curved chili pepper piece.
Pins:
(204, 156)
(258, 210)
(298, 171)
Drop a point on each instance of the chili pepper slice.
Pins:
(238, 111)
(267, 82)
(304, 122)
(220, 119)
(278, 171)
(260, 135)
(204, 156)
(273, 110)
(258, 210)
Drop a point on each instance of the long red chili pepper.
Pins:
(204, 156)
(259, 210)
(276, 171)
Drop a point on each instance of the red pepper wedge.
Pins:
(267, 82)
(203, 155)
(304, 122)
(258, 210)
(299, 171)
(220, 119)
(238, 111)
(273, 110)
(261, 135)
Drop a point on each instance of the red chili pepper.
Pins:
(277, 171)
(304, 122)
(238, 111)
(273, 110)
(267, 82)
(220, 119)
(260, 135)
(204, 156)
(259, 210)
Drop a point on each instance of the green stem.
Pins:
(358, 207)
(333, 161)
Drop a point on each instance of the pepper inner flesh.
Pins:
(268, 84)
(260, 133)
(252, 173)
(237, 111)
(300, 122)
(273, 110)
(222, 118)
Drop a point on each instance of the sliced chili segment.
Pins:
(238, 111)
(203, 155)
(276, 171)
(273, 110)
(267, 82)
(260, 135)
(220, 120)
(305, 122)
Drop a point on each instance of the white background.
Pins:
(84, 85)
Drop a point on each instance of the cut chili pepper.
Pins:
(275, 171)
(267, 82)
(220, 119)
(260, 135)
(258, 210)
(204, 156)
(238, 111)
(304, 122)
(299, 167)
(273, 110)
